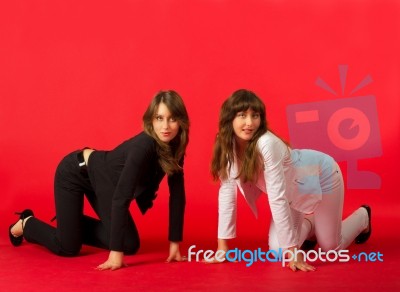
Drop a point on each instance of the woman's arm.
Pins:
(135, 164)
(227, 209)
(274, 152)
(177, 202)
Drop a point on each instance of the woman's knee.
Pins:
(70, 251)
(67, 249)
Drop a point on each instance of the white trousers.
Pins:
(326, 223)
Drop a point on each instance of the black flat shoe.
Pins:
(363, 237)
(16, 241)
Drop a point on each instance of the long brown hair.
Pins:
(170, 154)
(223, 154)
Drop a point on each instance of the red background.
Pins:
(81, 73)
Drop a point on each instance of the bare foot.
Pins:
(16, 230)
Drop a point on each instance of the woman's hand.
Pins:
(299, 263)
(174, 253)
(115, 261)
(220, 253)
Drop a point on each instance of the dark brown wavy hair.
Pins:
(223, 154)
(172, 153)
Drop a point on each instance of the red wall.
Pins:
(81, 73)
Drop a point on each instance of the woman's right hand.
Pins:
(115, 261)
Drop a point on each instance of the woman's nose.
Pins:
(249, 121)
(165, 124)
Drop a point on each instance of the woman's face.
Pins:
(245, 125)
(165, 125)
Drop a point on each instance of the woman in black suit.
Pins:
(110, 180)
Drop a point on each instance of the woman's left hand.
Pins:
(174, 253)
(300, 264)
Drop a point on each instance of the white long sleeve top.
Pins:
(290, 178)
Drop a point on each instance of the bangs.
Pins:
(248, 101)
(241, 100)
(176, 106)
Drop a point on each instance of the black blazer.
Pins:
(131, 171)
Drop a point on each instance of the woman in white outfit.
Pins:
(249, 157)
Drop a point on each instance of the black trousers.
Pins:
(73, 227)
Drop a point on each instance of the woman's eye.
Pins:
(159, 118)
(172, 120)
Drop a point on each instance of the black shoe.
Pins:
(363, 237)
(308, 244)
(16, 241)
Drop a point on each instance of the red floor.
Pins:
(31, 268)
